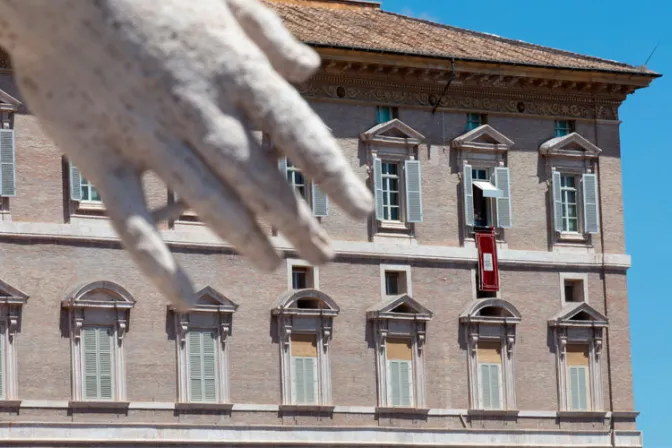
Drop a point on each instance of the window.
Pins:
(395, 280)
(309, 191)
(305, 319)
(304, 368)
(391, 193)
(567, 201)
(299, 277)
(489, 356)
(475, 120)
(7, 163)
(89, 192)
(10, 316)
(490, 332)
(386, 113)
(487, 197)
(392, 283)
(98, 316)
(202, 349)
(400, 328)
(577, 366)
(563, 127)
(570, 206)
(97, 360)
(482, 294)
(578, 331)
(302, 275)
(573, 288)
(399, 355)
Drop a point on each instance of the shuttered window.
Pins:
(413, 177)
(202, 365)
(304, 368)
(489, 356)
(391, 189)
(474, 121)
(7, 163)
(590, 204)
(386, 113)
(563, 127)
(399, 372)
(317, 199)
(97, 360)
(81, 189)
(578, 377)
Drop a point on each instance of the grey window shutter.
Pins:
(468, 188)
(557, 202)
(105, 363)
(378, 187)
(7, 163)
(209, 367)
(195, 367)
(320, 202)
(299, 383)
(485, 386)
(405, 383)
(494, 387)
(75, 183)
(503, 181)
(591, 214)
(282, 166)
(310, 380)
(583, 389)
(413, 191)
(574, 398)
(394, 386)
(88, 336)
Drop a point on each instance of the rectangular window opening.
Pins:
(304, 368)
(489, 355)
(573, 290)
(386, 113)
(97, 359)
(89, 192)
(202, 365)
(399, 354)
(391, 175)
(302, 277)
(578, 377)
(563, 127)
(483, 205)
(570, 203)
(395, 283)
(297, 180)
(475, 120)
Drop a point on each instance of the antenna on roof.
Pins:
(651, 55)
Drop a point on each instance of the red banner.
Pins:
(488, 271)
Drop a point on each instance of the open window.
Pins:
(304, 322)
(485, 178)
(395, 279)
(490, 332)
(302, 275)
(571, 163)
(98, 316)
(578, 333)
(202, 348)
(396, 175)
(304, 188)
(399, 325)
(84, 196)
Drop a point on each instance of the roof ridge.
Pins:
(516, 41)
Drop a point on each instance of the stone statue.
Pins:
(176, 87)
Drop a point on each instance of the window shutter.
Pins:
(393, 385)
(299, 383)
(583, 389)
(320, 202)
(378, 187)
(209, 367)
(557, 202)
(502, 181)
(2, 365)
(494, 387)
(7, 163)
(282, 166)
(405, 383)
(88, 336)
(75, 183)
(485, 386)
(574, 404)
(468, 188)
(310, 380)
(413, 191)
(590, 205)
(195, 370)
(105, 363)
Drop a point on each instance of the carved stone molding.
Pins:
(495, 98)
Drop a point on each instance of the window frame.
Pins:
(405, 276)
(316, 369)
(564, 192)
(473, 123)
(393, 113)
(574, 277)
(562, 128)
(387, 192)
(12, 301)
(212, 312)
(313, 278)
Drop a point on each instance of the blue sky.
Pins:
(624, 31)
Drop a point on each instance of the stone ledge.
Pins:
(99, 405)
(508, 413)
(188, 407)
(305, 408)
(571, 415)
(402, 410)
(10, 405)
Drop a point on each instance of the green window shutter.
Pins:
(194, 342)
(557, 201)
(310, 380)
(495, 402)
(105, 363)
(7, 163)
(413, 191)
(405, 383)
(383, 114)
(299, 383)
(485, 386)
(75, 183)
(591, 213)
(578, 390)
(209, 367)
(320, 202)
(394, 383)
(378, 187)
(583, 388)
(468, 188)
(88, 338)
(502, 181)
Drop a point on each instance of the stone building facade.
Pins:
(396, 343)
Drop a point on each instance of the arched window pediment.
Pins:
(305, 302)
(491, 311)
(99, 294)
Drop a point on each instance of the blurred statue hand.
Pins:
(176, 87)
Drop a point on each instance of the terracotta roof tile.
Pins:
(369, 28)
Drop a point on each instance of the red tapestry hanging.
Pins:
(488, 271)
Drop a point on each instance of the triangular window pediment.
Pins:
(8, 102)
(570, 145)
(400, 306)
(580, 314)
(209, 297)
(10, 294)
(394, 132)
(483, 138)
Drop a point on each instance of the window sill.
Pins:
(8, 405)
(402, 410)
(582, 414)
(625, 415)
(186, 407)
(493, 412)
(568, 237)
(393, 225)
(312, 408)
(90, 206)
(111, 405)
